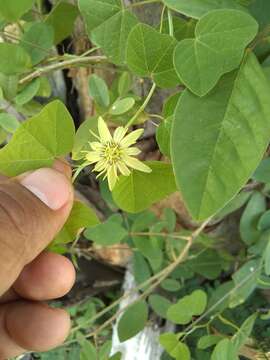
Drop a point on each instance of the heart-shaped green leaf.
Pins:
(149, 54)
(108, 25)
(136, 192)
(198, 8)
(221, 37)
(218, 140)
(12, 10)
(38, 141)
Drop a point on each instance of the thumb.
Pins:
(32, 211)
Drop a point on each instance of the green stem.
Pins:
(227, 322)
(162, 19)
(141, 109)
(62, 65)
(170, 20)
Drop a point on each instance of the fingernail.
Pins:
(50, 186)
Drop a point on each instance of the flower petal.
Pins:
(95, 145)
(136, 164)
(112, 176)
(131, 138)
(101, 165)
(123, 168)
(92, 157)
(104, 131)
(133, 151)
(119, 133)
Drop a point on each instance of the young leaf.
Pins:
(264, 221)
(99, 91)
(20, 59)
(122, 106)
(240, 338)
(220, 39)
(187, 307)
(223, 122)
(9, 123)
(84, 136)
(132, 321)
(138, 191)
(108, 233)
(28, 92)
(250, 217)
(124, 83)
(81, 216)
(108, 26)
(62, 19)
(150, 250)
(245, 282)
(198, 8)
(160, 305)
(170, 285)
(140, 268)
(163, 135)
(37, 40)
(224, 350)
(207, 264)
(12, 10)
(174, 347)
(88, 351)
(149, 54)
(38, 141)
(208, 340)
(262, 172)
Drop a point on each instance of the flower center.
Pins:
(112, 152)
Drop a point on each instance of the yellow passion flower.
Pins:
(114, 155)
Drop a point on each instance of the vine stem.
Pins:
(143, 106)
(62, 65)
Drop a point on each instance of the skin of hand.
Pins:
(33, 208)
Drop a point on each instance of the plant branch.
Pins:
(62, 65)
(143, 106)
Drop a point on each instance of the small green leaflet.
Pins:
(149, 54)
(62, 19)
(108, 233)
(122, 106)
(187, 307)
(132, 321)
(28, 92)
(8, 123)
(223, 122)
(12, 10)
(159, 304)
(83, 137)
(38, 141)
(37, 40)
(99, 91)
(267, 259)
(174, 347)
(81, 216)
(224, 350)
(20, 63)
(242, 335)
(262, 172)
(220, 39)
(108, 26)
(208, 341)
(249, 220)
(198, 8)
(138, 191)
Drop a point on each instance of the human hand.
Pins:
(33, 208)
